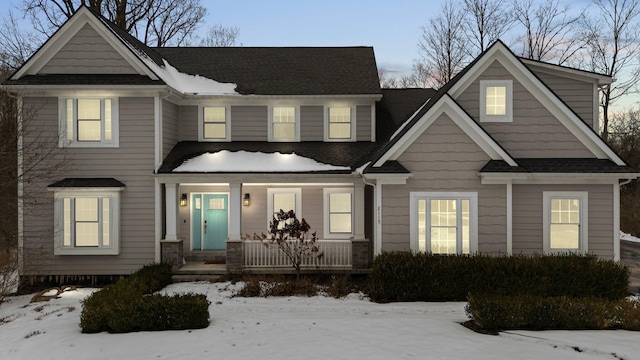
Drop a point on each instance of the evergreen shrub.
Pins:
(402, 276)
(495, 312)
(128, 306)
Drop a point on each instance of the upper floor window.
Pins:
(496, 104)
(339, 123)
(284, 124)
(89, 122)
(215, 125)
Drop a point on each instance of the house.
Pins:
(178, 153)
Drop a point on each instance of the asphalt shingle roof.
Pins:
(87, 183)
(556, 165)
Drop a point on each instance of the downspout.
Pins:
(158, 162)
(616, 218)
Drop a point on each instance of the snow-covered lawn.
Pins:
(294, 328)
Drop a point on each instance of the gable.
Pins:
(87, 52)
(534, 132)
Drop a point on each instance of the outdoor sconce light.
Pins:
(183, 200)
(246, 201)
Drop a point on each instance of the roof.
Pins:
(556, 165)
(282, 70)
(85, 79)
(349, 154)
(396, 106)
(389, 167)
(87, 183)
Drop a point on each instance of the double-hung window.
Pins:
(89, 122)
(215, 124)
(87, 222)
(340, 123)
(496, 100)
(284, 199)
(444, 223)
(284, 124)
(565, 221)
(338, 212)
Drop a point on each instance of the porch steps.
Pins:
(199, 271)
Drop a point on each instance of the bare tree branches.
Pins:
(16, 44)
(614, 49)
(442, 48)
(220, 36)
(550, 32)
(485, 22)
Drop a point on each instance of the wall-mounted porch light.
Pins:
(246, 201)
(183, 200)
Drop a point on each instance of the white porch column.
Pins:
(171, 202)
(359, 213)
(235, 211)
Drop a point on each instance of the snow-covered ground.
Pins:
(628, 237)
(294, 328)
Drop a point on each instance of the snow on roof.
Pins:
(245, 161)
(189, 84)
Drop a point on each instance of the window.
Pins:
(89, 122)
(565, 221)
(87, 222)
(496, 104)
(284, 199)
(283, 124)
(339, 123)
(214, 123)
(444, 223)
(338, 212)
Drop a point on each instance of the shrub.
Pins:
(425, 277)
(536, 312)
(127, 306)
(254, 287)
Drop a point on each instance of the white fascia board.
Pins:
(390, 179)
(448, 106)
(555, 178)
(204, 178)
(66, 32)
(542, 93)
(299, 100)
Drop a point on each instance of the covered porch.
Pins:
(206, 219)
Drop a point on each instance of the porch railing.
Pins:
(336, 254)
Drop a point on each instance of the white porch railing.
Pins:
(336, 254)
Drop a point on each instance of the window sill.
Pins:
(86, 251)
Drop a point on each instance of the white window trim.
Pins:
(326, 123)
(272, 191)
(508, 117)
(114, 222)
(584, 220)
(296, 110)
(227, 122)
(414, 196)
(327, 234)
(62, 124)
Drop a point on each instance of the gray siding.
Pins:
(249, 123)
(575, 93)
(534, 132)
(131, 163)
(311, 123)
(87, 53)
(169, 127)
(528, 217)
(444, 158)
(363, 123)
(188, 123)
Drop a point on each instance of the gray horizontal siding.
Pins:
(578, 95)
(534, 132)
(444, 158)
(363, 123)
(188, 123)
(170, 132)
(528, 217)
(131, 163)
(249, 123)
(87, 53)
(311, 123)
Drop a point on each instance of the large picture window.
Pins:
(565, 221)
(89, 122)
(87, 223)
(444, 223)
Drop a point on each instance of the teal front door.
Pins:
(210, 215)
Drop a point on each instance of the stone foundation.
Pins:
(171, 251)
(235, 259)
(360, 254)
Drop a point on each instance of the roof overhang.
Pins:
(207, 178)
(390, 179)
(555, 178)
(564, 71)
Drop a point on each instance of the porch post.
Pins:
(359, 213)
(235, 211)
(171, 202)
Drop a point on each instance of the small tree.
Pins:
(290, 236)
